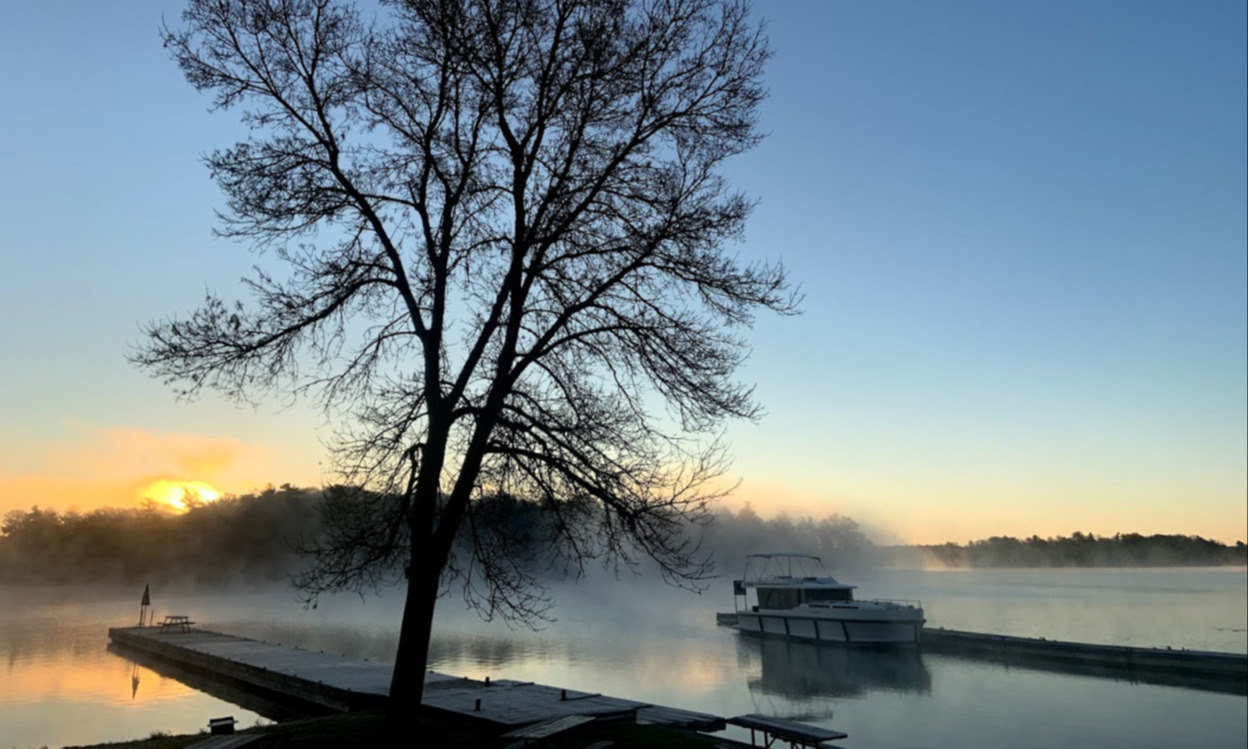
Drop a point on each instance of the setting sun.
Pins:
(180, 495)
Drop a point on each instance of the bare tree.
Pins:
(503, 233)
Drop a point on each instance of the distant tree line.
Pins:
(234, 539)
(256, 539)
(1075, 550)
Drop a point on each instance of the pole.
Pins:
(144, 603)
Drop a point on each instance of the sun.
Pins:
(179, 496)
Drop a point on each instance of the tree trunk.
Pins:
(407, 685)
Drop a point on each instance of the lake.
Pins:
(642, 641)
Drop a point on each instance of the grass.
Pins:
(368, 729)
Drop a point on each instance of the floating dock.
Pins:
(1228, 667)
(333, 683)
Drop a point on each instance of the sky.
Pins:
(1019, 229)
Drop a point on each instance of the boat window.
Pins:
(830, 595)
(778, 598)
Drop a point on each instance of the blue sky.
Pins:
(1020, 229)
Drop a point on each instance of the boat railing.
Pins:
(900, 602)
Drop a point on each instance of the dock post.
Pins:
(144, 603)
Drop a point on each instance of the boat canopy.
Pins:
(785, 580)
(790, 570)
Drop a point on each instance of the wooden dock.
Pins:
(341, 684)
(330, 682)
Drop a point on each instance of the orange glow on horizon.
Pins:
(179, 496)
(84, 467)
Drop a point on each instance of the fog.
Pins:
(250, 542)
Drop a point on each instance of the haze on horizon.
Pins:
(1020, 230)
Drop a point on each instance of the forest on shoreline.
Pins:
(254, 539)
(1075, 550)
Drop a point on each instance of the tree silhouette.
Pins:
(503, 232)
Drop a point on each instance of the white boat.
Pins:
(793, 596)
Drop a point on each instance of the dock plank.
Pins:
(519, 704)
(672, 716)
(549, 728)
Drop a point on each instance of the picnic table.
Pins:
(176, 623)
(773, 729)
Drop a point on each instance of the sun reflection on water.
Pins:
(60, 685)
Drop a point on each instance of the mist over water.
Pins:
(639, 639)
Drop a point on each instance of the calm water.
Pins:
(60, 684)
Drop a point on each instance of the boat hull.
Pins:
(849, 626)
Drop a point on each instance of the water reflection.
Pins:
(58, 684)
(802, 670)
(491, 653)
(365, 639)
